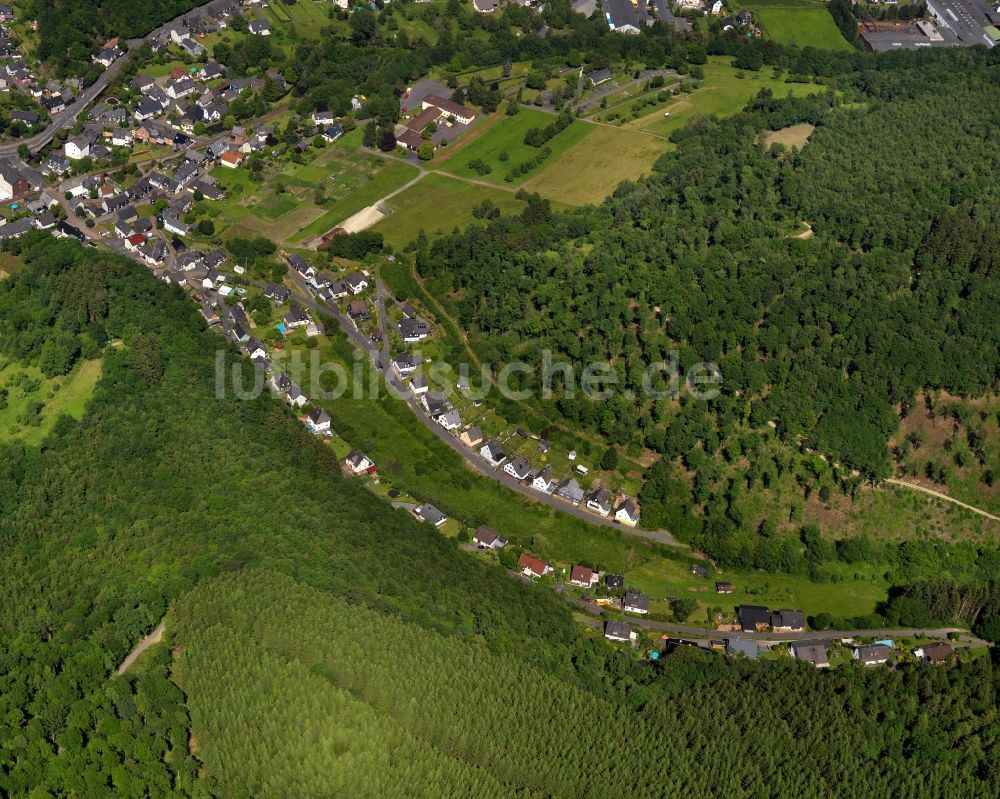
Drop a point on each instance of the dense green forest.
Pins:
(295, 601)
(896, 289)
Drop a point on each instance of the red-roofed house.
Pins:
(231, 159)
(582, 576)
(531, 566)
(135, 241)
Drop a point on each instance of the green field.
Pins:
(722, 93)
(347, 178)
(438, 204)
(507, 136)
(305, 19)
(26, 388)
(591, 169)
(805, 23)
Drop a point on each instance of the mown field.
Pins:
(438, 204)
(591, 169)
(506, 136)
(804, 23)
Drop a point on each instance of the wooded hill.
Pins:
(896, 289)
(331, 643)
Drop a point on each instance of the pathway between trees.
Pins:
(153, 638)
(945, 497)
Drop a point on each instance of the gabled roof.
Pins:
(487, 537)
(581, 574)
(634, 599)
(531, 563)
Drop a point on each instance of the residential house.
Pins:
(635, 602)
(753, 618)
(571, 491)
(358, 462)
(450, 420)
(322, 116)
(600, 501)
(428, 513)
(812, 651)
(277, 294)
(936, 653)
(231, 159)
(530, 566)
(518, 467)
(471, 437)
(319, 420)
(627, 513)
(332, 132)
(583, 577)
(259, 27)
(614, 582)
(298, 263)
(295, 317)
(435, 403)
(255, 349)
(405, 363)
(493, 452)
(485, 538)
(788, 621)
(357, 282)
(359, 311)
(413, 330)
(872, 655)
(617, 631)
(543, 481)
(173, 224)
(78, 147)
(723, 588)
(15, 229)
(419, 385)
(599, 76)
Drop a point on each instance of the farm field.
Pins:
(507, 136)
(591, 169)
(27, 389)
(437, 204)
(799, 22)
(721, 94)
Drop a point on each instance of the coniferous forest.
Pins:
(319, 642)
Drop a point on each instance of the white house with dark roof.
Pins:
(635, 602)
(518, 467)
(319, 420)
(493, 452)
(627, 513)
(358, 462)
(485, 538)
